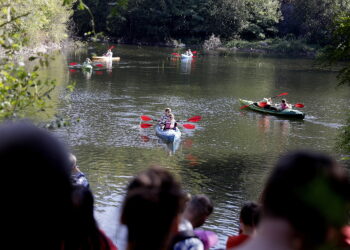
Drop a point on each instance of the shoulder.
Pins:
(234, 241)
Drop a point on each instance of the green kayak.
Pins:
(290, 113)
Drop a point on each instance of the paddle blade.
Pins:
(283, 94)
(145, 125)
(175, 54)
(196, 118)
(262, 104)
(112, 47)
(243, 107)
(194, 52)
(189, 126)
(146, 118)
(72, 70)
(73, 63)
(99, 65)
(299, 105)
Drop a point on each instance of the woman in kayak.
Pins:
(170, 122)
(285, 105)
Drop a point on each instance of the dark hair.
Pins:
(283, 100)
(201, 205)
(87, 234)
(250, 214)
(311, 192)
(38, 188)
(153, 201)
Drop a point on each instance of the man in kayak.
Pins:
(267, 104)
(109, 53)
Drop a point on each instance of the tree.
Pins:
(20, 88)
(335, 53)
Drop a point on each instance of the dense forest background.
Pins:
(193, 21)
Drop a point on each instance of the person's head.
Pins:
(171, 116)
(311, 192)
(198, 210)
(249, 216)
(151, 209)
(72, 161)
(283, 100)
(38, 192)
(167, 111)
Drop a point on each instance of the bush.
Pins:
(212, 43)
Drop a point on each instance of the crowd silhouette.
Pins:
(304, 204)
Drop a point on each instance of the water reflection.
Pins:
(186, 64)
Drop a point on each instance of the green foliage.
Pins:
(311, 20)
(292, 47)
(343, 142)
(24, 23)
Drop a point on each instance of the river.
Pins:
(230, 152)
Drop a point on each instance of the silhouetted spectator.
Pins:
(197, 210)
(305, 204)
(248, 219)
(38, 210)
(151, 209)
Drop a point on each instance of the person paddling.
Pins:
(170, 122)
(164, 117)
(285, 105)
(189, 52)
(109, 53)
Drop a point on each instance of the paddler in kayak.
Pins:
(189, 53)
(170, 122)
(87, 62)
(164, 117)
(109, 53)
(267, 104)
(284, 105)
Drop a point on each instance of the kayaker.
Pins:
(189, 52)
(170, 122)
(164, 117)
(109, 53)
(267, 104)
(87, 62)
(284, 105)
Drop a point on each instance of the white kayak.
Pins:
(184, 56)
(169, 135)
(105, 58)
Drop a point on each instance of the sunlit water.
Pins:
(230, 152)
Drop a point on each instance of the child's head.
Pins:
(283, 100)
(250, 214)
(167, 110)
(171, 116)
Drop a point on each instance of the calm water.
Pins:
(229, 153)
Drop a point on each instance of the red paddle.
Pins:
(299, 105)
(99, 65)
(112, 47)
(175, 54)
(73, 63)
(243, 107)
(145, 125)
(188, 126)
(146, 118)
(196, 118)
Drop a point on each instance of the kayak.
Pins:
(290, 113)
(105, 58)
(81, 66)
(169, 135)
(184, 56)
